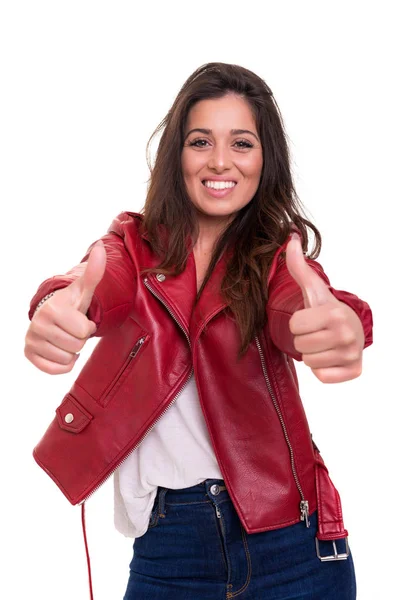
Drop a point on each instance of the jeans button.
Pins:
(214, 489)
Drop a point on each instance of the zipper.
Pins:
(136, 347)
(304, 512)
(139, 442)
(304, 507)
(132, 354)
(146, 283)
(220, 520)
(222, 529)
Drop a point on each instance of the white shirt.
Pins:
(177, 453)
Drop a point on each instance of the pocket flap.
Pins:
(71, 415)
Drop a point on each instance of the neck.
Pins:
(210, 229)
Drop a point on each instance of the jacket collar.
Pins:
(178, 293)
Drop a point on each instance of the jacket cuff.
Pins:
(49, 285)
(361, 308)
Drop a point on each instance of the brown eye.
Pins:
(244, 144)
(200, 143)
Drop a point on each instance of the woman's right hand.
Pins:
(59, 328)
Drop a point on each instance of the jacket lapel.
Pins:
(211, 301)
(178, 293)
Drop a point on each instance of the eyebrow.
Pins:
(233, 132)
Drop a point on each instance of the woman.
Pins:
(191, 397)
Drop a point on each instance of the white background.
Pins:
(83, 85)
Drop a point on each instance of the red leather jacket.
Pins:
(152, 337)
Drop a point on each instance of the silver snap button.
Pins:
(160, 277)
(69, 418)
(214, 489)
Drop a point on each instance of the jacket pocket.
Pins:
(71, 415)
(124, 370)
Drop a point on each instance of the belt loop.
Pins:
(161, 502)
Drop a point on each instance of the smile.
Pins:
(219, 189)
(219, 185)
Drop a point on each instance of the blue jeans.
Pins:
(197, 549)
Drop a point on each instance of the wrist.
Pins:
(43, 300)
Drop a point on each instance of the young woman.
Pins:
(190, 397)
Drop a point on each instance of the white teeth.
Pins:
(219, 185)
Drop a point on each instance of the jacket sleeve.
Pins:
(285, 298)
(114, 295)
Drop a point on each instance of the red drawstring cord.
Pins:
(87, 551)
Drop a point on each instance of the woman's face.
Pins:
(222, 156)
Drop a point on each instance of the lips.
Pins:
(219, 193)
(216, 180)
(219, 184)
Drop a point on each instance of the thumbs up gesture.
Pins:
(327, 332)
(60, 328)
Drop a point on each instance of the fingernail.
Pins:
(76, 357)
(295, 236)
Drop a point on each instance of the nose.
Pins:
(219, 159)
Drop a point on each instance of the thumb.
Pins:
(315, 291)
(86, 284)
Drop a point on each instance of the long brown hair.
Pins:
(258, 229)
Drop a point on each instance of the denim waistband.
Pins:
(209, 489)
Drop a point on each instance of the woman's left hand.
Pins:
(328, 333)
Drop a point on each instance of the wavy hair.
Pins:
(258, 229)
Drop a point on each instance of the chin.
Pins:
(217, 212)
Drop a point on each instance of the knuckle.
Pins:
(337, 315)
(82, 335)
(319, 375)
(31, 354)
(67, 359)
(59, 369)
(292, 323)
(353, 356)
(81, 330)
(347, 336)
(52, 370)
(322, 375)
(296, 344)
(78, 345)
(44, 311)
(357, 370)
(35, 360)
(89, 329)
(324, 378)
(39, 325)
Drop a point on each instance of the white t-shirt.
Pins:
(176, 454)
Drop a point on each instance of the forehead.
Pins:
(219, 114)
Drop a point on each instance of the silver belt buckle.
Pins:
(334, 556)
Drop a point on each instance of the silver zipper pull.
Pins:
(218, 512)
(136, 347)
(304, 512)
